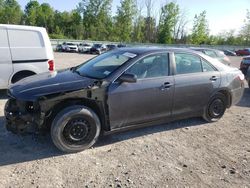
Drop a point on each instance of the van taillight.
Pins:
(51, 65)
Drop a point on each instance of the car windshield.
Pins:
(105, 64)
(97, 45)
(71, 44)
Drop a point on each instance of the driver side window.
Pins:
(151, 66)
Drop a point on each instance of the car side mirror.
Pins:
(129, 78)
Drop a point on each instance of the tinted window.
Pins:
(210, 53)
(25, 38)
(207, 67)
(221, 54)
(187, 63)
(151, 66)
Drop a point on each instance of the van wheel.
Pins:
(21, 75)
(215, 108)
(75, 129)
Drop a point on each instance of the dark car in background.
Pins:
(217, 54)
(229, 53)
(111, 47)
(120, 90)
(121, 45)
(248, 76)
(98, 49)
(59, 48)
(243, 52)
(245, 64)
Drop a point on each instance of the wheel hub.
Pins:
(216, 108)
(76, 130)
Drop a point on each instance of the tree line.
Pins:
(93, 20)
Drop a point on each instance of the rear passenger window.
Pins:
(25, 38)
(3, 38)
(187, 63)
(207, 67)
(210, 53)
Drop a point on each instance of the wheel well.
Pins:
(21, 74)
(228, 97)
(93, 105)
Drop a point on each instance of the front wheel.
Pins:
(75, 129)
(215, 108)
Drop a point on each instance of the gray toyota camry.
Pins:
(122, 89)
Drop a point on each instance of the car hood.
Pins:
(31, 88)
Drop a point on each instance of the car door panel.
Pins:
(193, 91)
(146, 100)
(149, 99)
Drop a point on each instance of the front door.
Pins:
(6, 68)
(149, 99)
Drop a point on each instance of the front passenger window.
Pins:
(151, 67)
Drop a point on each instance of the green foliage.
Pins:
(200, 30)
(96, 18)
(10, 12)
(245, 31)
(92, 20)
(124, 20)
(31, 12)
(168, 20)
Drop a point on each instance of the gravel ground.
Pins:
(188, 153)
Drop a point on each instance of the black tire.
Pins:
(215, 108)
(249, 83)
(75, 129)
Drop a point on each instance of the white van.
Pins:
(24, 51)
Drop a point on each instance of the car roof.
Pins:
(21, 27)
(146, 50)
(201, 48)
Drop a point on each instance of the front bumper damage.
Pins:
(23, 117)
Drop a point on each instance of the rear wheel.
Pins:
(75, 129)
(215, 108)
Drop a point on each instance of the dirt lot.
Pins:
(188, 153)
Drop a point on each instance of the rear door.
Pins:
(6, 68)
(149, 99)
(195, 81)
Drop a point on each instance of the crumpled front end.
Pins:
(22, 116)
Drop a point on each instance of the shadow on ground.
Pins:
(18, 149)
(245, 101)
(3, 94)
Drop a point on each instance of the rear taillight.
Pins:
(51, 65)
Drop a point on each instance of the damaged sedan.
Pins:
(119, 90)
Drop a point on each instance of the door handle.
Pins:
(214, 78)
(166, 85)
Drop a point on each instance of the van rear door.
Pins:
(28, 50)
(6, 68)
